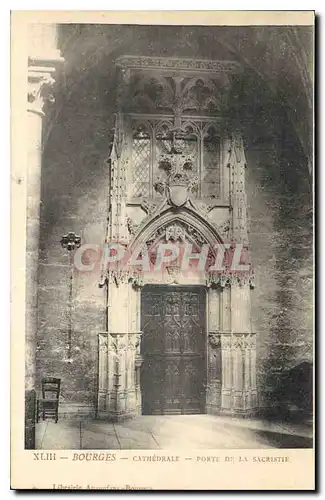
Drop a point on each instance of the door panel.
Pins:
(173, 346)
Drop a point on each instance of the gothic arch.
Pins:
(205, 232)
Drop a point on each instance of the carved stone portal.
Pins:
(176, 342)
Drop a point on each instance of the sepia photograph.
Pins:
(169, 238)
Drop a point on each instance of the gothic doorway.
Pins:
(173, 322)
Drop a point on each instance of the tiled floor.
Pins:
(165, 432)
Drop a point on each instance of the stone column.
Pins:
(119, 351)
(117, 342)
(227, 375)
(251, 355)
(213, 389)
(42, 64)
(103, 373)
(226, 359)
(122, 399)
(241, 337)
(135, 329)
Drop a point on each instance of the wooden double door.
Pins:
(173, 322)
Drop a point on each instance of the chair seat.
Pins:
(48, 402)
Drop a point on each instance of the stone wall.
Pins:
(74, 198)
(281, 238)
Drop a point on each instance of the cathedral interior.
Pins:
(146, 135)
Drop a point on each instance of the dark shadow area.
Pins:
(278, 440)
(294, 394)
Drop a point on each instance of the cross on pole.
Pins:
(70, 242)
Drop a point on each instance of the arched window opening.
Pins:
(141, 162)
(211, 164)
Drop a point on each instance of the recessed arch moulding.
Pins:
(177, 180)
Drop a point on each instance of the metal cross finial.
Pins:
(71, 241)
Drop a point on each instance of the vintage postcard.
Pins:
(162, 250)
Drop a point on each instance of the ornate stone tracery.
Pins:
(172, 160)
(174, 152)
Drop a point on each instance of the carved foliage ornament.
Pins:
(244, 342)
(40, 91)
(224, 228)
(226, 342)
(134, 340)
(149, 208)
(120, 342)
(178, 230)
(180, 85)
(203, 96)
(214, 340)
(119, 277)
(103, 344)
(227, 278)
(132, 227)
(175, 232)
(198, 96)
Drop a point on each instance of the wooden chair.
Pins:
(48, 404)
